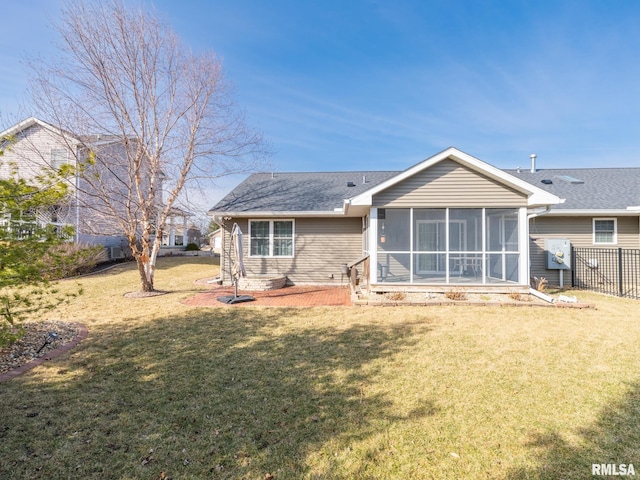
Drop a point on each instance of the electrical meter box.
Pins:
(558, 253)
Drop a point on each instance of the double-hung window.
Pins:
(59, 157)
(271, 238)
(605, 231)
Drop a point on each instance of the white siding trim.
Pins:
(373, 246)
(523, 246)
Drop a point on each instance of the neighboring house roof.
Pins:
(98, 139)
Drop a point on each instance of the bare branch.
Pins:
(149, 117)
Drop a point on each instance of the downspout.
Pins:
(531, 216)
(220, 221)
(546, 210)
(76, 194)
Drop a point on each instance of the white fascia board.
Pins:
(31, 121)
(536, 196)
(594, 213)
(18, 127)
(278, 214)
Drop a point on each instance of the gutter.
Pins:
(275, 214)
(546, 210)
(628, 212)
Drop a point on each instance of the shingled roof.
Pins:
(588, 188)
(583, 189)
(298, 192)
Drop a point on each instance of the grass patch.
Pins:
(160, 388)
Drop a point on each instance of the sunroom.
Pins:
(449, 245)
(450, 220)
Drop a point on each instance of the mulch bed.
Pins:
(37, 344)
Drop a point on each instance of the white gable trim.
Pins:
(536, 196)
(30, 122)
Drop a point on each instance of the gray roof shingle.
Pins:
(298, 192)
(602, 189)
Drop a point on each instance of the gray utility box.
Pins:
(558, 253)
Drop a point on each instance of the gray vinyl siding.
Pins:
(104, 240)
(31, 152)
(449, 184)
(322, 246)
(579, 230)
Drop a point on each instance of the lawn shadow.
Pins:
(613, 439)
(206, 394)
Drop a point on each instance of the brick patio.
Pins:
(293, 296)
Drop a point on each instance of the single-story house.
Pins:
(451, 220)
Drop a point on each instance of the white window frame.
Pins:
(59, 157)
(615, 230)
(271, 237)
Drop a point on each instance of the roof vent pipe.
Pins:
(533, 157)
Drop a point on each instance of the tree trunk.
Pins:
(146, 273)
(145, 262)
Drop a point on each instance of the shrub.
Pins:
(9, 333)
(396, 296)
(71, 259)
(456, 294)
(539, 284)
(192, 247)
(29, 249)
(513, 295)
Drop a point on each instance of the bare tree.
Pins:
(152, 118)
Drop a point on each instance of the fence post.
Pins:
(620, 276)
(574, 264)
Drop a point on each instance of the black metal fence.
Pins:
(614, 271)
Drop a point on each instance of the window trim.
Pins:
(271, 237)
(615, 230)
(58, 162)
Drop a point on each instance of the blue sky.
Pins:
(382, 85)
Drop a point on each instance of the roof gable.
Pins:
(33, 121)
(536, 196)
(441, 185)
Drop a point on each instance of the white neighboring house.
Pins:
(33, 145)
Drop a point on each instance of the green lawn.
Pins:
(162, 390)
